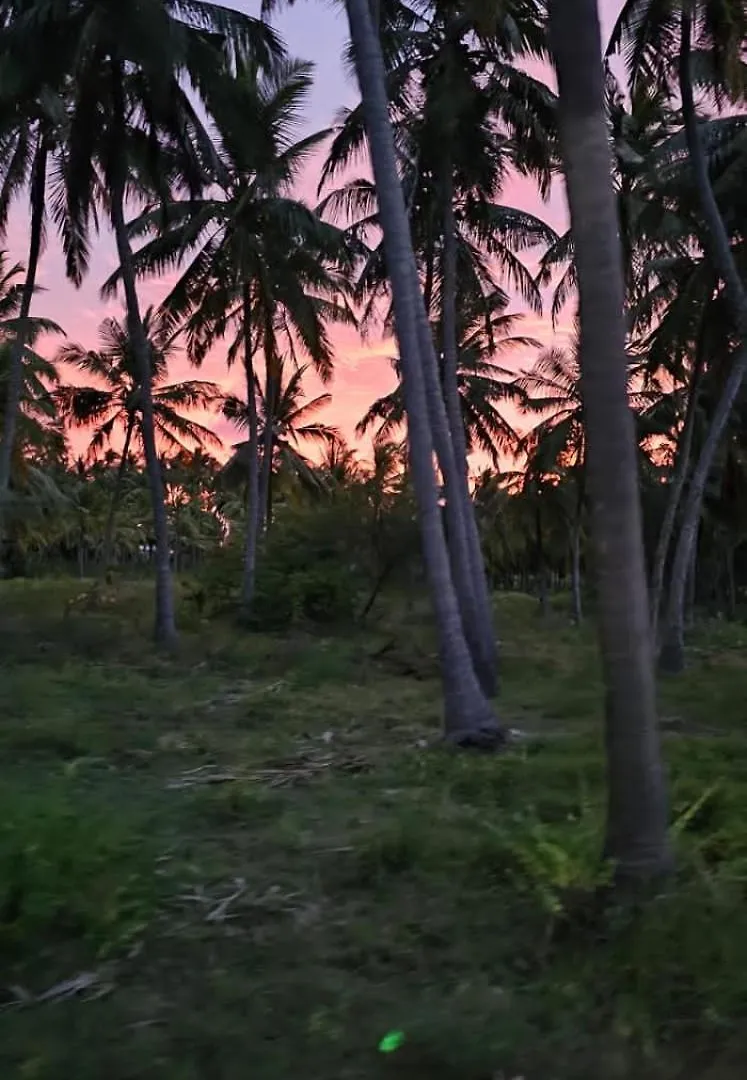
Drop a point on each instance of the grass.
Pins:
(343, 879)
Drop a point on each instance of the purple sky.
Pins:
(313, 30)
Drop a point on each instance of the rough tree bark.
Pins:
(468, 567)
(636, 828)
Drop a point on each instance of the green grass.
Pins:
(378, 883)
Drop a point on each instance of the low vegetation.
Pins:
(250, 858)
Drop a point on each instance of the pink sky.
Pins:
(314, 31)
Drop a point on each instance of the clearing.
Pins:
(247, 861)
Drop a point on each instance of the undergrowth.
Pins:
(246, 859)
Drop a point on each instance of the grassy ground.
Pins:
(246, 861)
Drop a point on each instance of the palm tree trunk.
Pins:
(716, 240)
(116, 495)
(14, 389)
(268, 447)
(469, 717)
(676, 488)
(165, 621)
(636, 828)
(577, 611)
(692, 585)
(672, 655)
(544, 607)
(474, 598)
(252, 502)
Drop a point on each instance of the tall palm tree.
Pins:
(261, 265)
(39, 432)
(713, 31)
(133, 125)
(285, 424)
(637, 808)
(484, 331)
(469, 716)
(456, 99)
(29, 131)
(24, 401)
(115, 405)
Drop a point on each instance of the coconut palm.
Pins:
(469, 716)
(456, 101)
(684, 44)
(29, 135)
(26, 410)
(637, 813)
(114, 406)
(484, 387)
(132, 125)
(285, 424)
(261, 266)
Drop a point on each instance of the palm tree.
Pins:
(39, 433)
(454, 93)
(469, 716)
(25, 418)
(482, 385)
(285, 425)
(260, 264)
(29, 126)
(133, 126)
(648, 30)
(115, 405)
(637, 810)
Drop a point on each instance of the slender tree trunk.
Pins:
(692, 587)
(541, 567)
(636, 832)
(165, 621)
(469, 717)
(576, 601)
(268, 446)
(116, 495)
(715, 238)
(731, 582)
(464, 545)
(676, 487)
(14, 390)
(716, 241)
(252, 502)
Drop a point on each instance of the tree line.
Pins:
(176, 125)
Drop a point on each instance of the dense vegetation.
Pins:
(210, 819)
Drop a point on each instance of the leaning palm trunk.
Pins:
(674, 498)
(636, 832)
(716, 240)
(116, 496)
(672, 656)
(15, 375)
(469, 716)
(468, 567)
(252, 502)
(165, 622)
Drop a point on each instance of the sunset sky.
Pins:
(313, 31)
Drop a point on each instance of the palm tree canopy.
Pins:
(112, 404)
